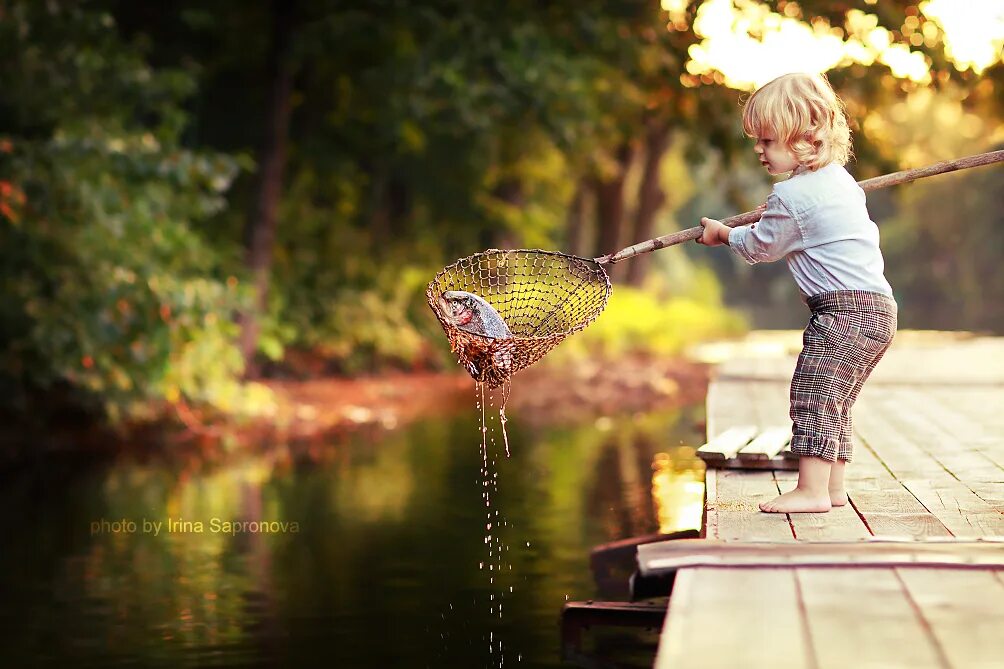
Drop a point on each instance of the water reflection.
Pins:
(382, 570)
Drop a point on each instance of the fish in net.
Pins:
(503, 310)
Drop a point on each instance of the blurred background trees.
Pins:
(175, 176)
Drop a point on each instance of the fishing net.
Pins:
(542, 296)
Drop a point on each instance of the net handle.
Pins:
(884, 181)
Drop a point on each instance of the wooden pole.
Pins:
(874, 183)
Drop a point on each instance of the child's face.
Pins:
(774, 155)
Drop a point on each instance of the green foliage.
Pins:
(655, 320)
(943, 251)
(419, 133)
(110, 286)
(383, 322)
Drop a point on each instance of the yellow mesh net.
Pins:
(542, 296)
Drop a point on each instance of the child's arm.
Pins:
(774, 236)
(716, 233)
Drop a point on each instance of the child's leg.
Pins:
(812, 492)
(838, 494)
(844, 339)
(817, 390)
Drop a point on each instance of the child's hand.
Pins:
(715, 233)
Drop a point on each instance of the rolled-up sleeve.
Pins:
(774, 236)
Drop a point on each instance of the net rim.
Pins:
(607, 290)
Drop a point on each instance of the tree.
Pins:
(260, 230)
(110, 291)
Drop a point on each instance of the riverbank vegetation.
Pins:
(192, 202)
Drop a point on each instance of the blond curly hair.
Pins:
(801, 111)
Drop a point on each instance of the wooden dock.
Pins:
(928, 470)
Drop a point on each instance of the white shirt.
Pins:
(818, 222)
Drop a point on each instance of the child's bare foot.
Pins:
(797, 501)
(838, 497)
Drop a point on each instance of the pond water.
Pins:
(372, 552)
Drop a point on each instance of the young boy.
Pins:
(817, 221)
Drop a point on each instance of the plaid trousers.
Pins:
(848, 333)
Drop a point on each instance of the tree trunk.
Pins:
(575, 219)
(259, 234)
(391, 206)
(610, 207)
(650, 197)
(511, 192)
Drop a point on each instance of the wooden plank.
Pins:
(863, 618)
(978, 473)
(728, 406)
(873, 485)
(948, 436)
(898, 454)
(770, 401)
(990, 493)
(738, 403)
(946, 495)
(963, 412)
(783, 462)
(737, 507)
(964, 611)
(728, 443)
(936, 435)
(992, 448)
(665, 556)
(710, 529)
(913, 525)
(840, 523)
(958, 508)
(973, 525)
(888, 500)
(722, 619)
(864, 463)
(767, 444)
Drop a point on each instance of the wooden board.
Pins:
(832, 617)
(889, 500)
(958, 508)
(840, 523)
(723, 619)
(913, 525)
(784, 461)
(767, 444)
(927, 457)
(736, 506)
(964, 611)
(666, 556)
(928, 467)
(727, 444)
(863, 618)
(750, 447)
